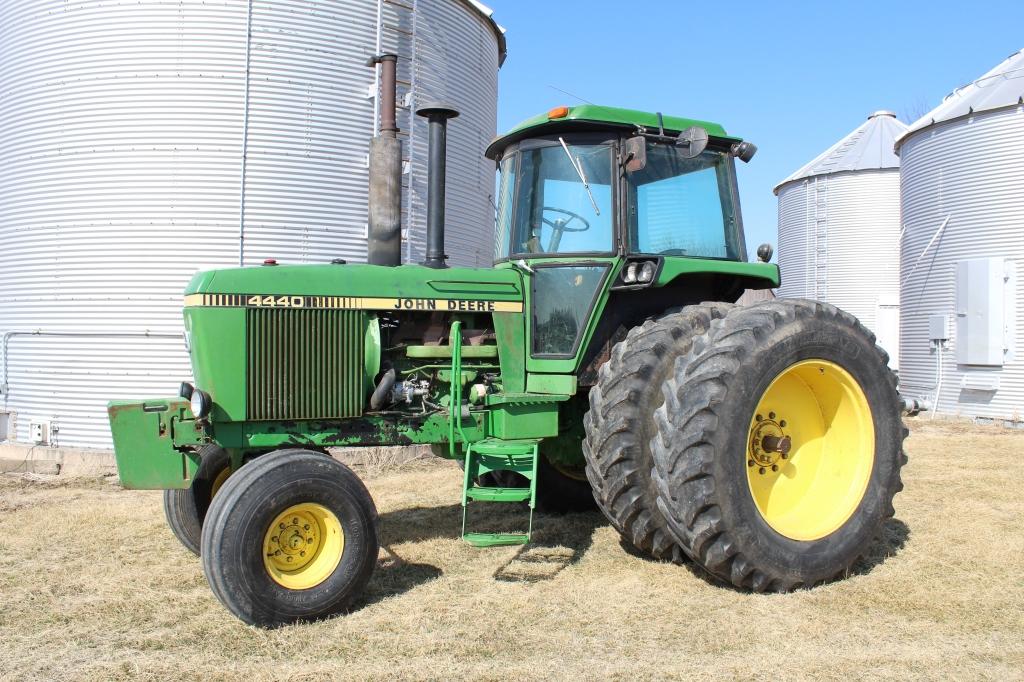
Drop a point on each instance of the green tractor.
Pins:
(601, 359)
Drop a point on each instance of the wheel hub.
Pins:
(295, 541)
(302, 546)
(769, 444)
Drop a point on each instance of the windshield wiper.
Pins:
(577, 166)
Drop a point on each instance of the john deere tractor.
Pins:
(601, 359)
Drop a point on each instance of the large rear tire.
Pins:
(779, 445)
(620, 424)
(185, 508)
(293, 536)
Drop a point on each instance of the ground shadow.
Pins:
(416, 524)
(392, 577)
(558, 541)
(890, 541)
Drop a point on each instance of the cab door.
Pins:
(565, 299)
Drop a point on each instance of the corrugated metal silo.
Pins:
(839, 228)
(963, 249)
(143, 141)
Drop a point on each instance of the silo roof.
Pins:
(499, 31)
(1003, 86)
(869, 147)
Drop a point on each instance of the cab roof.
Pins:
(593, 117)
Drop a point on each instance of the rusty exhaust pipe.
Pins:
(384, 228)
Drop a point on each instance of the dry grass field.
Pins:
(94, 586)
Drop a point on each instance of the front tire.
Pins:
(779, 445)
(185, 508)
(293, 536)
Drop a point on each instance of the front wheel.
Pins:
(185, 508)
(779, 445)
(293, 536)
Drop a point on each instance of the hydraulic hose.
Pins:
(384, 386)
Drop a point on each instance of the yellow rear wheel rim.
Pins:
(810, 450)
(303, 545)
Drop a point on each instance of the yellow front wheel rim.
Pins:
(303, 545)
(810, 450)
(218, 481)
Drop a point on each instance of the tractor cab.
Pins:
(570, 189)
(644, 206)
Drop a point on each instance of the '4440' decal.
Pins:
(350, 303)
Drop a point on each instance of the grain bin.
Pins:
(962, 174)
(839, 227)
(143, 141)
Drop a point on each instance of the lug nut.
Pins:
(289, 558)
(309, 541)
(302, 554)
(758, 417)
(785, 455)
(775, 467)
(762, 470)
(782, 423)
(771, 415)
(281, 526)
(750, 462)
(306, 527)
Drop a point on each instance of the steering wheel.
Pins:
(560, 226)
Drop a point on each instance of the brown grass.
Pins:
(95, 587)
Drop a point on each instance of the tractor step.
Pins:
(496, 539)
(485, 494)
(492, 454)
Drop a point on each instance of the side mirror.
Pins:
(634, 154)
(764, 253)
(692, 141)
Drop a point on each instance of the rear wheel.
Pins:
(620, 424)
(779, 445)
(293, 536)
(185, 508)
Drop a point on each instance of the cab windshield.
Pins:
(562, 199)
(684, 207)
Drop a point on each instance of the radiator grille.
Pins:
(304, 364)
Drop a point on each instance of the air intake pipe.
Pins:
(384, 229)
(437, 116)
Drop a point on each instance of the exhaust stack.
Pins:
(437, 115)
(384, 231)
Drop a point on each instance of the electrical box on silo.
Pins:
(979, 311)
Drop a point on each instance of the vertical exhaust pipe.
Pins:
(384, 229)
(437, 116)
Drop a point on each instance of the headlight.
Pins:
(200, 403)
(646, 272)
(629, 276)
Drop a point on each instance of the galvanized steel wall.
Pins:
(971, 171)
(122, 130)
(839, 243)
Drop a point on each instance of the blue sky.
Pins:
(792, 77)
